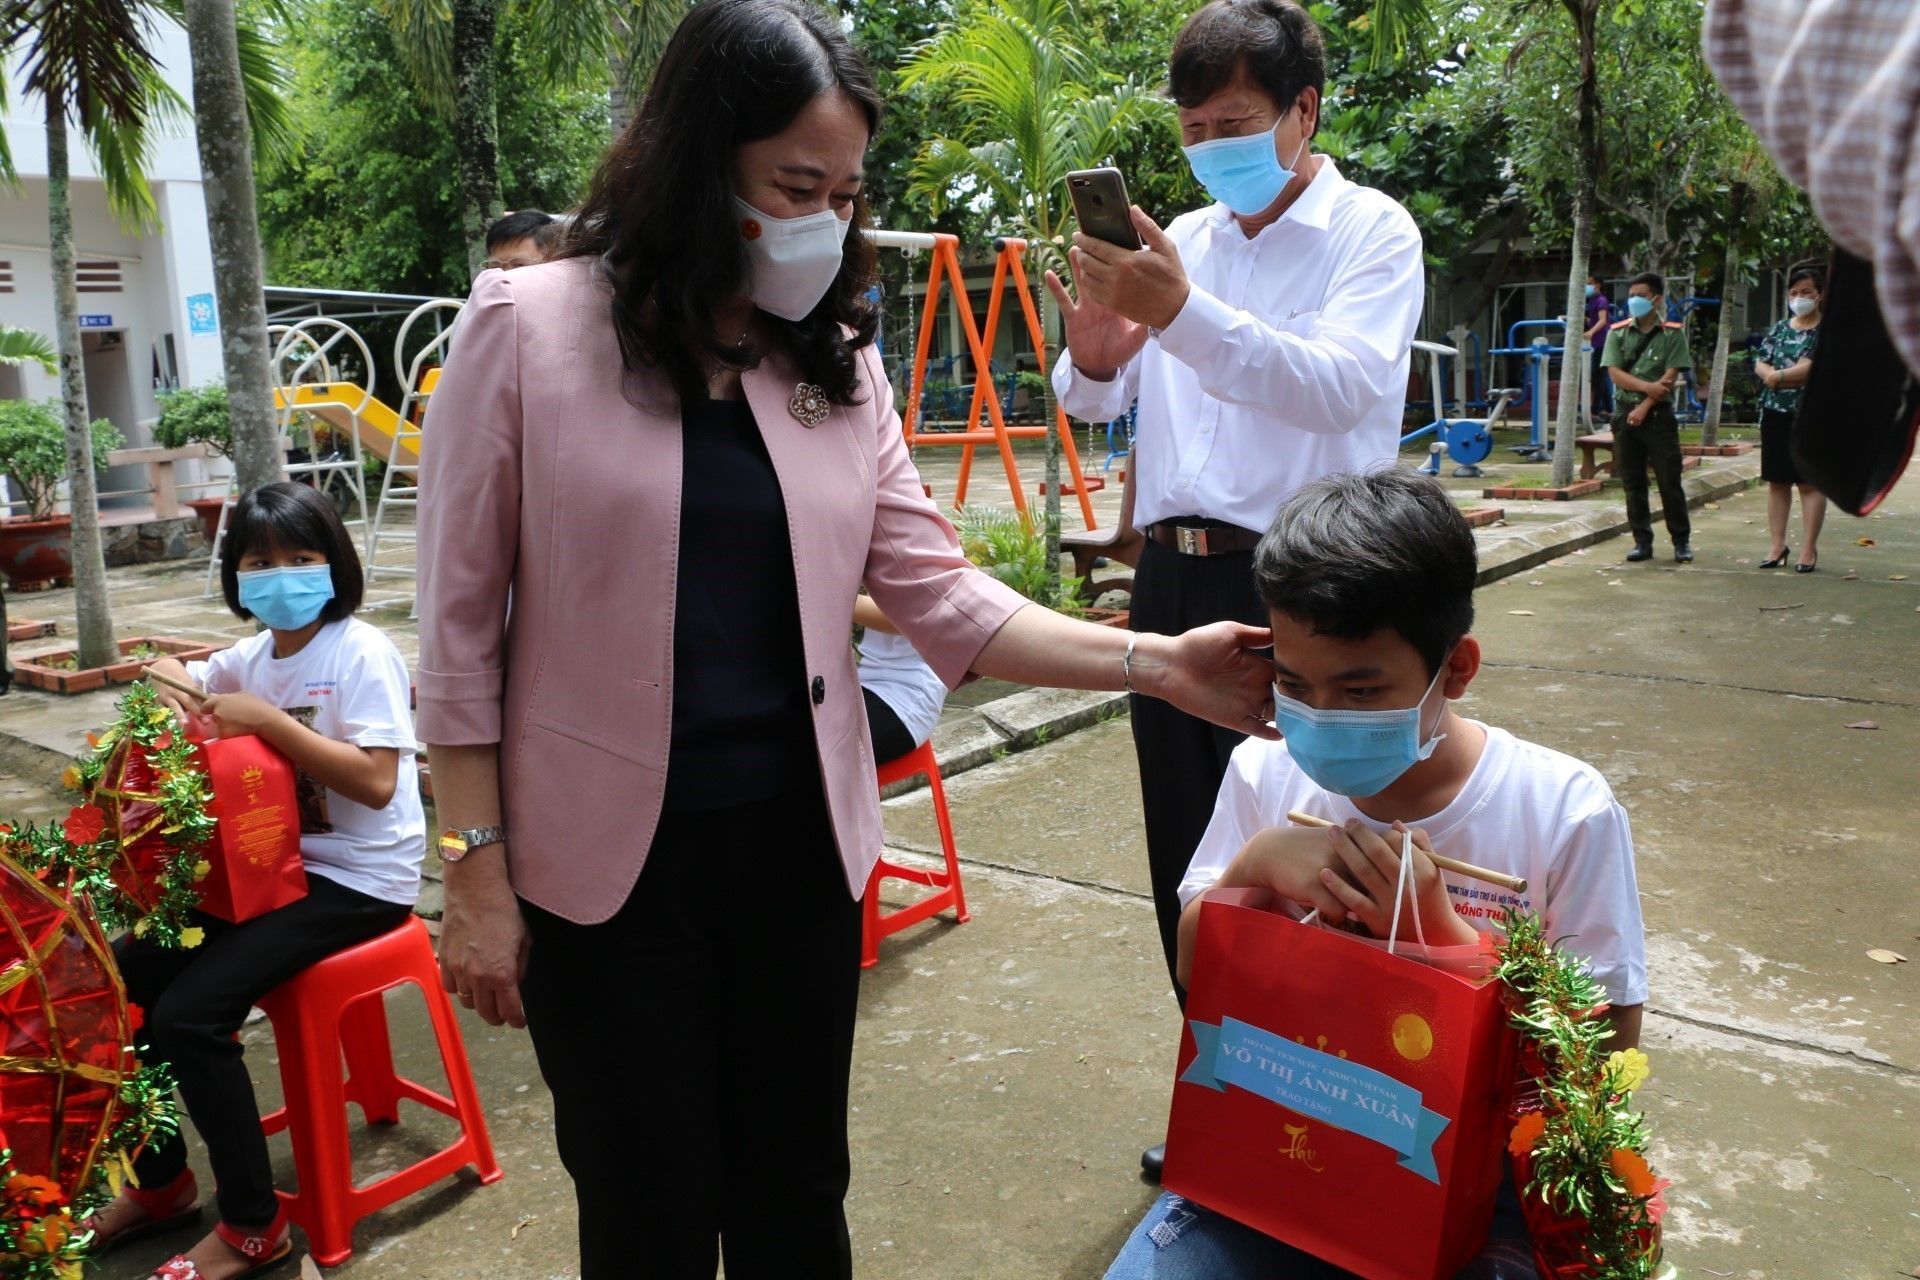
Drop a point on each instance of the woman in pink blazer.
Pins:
(663, 466)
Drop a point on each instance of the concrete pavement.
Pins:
(1008, 1071)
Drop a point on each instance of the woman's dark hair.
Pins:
(1275, 40)
(1653, 280)
(291, 517)
(1353, 554)
(660, 215)
(1815, 274)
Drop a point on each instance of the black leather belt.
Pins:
(1202, 537)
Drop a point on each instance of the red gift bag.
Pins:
(254, 855)
(1338, 1097)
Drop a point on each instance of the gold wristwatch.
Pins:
(457, 844)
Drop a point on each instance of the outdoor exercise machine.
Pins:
(1540, 353)
(1468, 441)
(946, 278)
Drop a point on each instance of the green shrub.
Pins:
(996, 540)
(33, 450)
(196, 415)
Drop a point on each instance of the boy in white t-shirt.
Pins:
(1368, 580)
(903, 695)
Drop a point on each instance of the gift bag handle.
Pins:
(1401, 892)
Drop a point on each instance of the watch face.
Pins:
(453, 843)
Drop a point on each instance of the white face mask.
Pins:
(1802, 306)
(793, 261)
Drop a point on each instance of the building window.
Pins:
(6, 277)
(97, 277)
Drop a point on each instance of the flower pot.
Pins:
(208, 509)
(36, 554)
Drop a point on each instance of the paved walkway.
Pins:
(1008, 1071)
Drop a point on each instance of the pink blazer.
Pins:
(543, 480)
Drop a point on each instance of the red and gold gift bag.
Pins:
(1345, 1100)
(254, 856)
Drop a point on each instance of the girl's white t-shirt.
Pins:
(1526, 810)
(895, 671)
(348, 684)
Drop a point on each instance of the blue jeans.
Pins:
(1178, 1240)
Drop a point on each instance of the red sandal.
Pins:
(263, 1249)
(169, 1207)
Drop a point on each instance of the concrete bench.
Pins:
(159, 464)
(1589, 467)
(1086, 546)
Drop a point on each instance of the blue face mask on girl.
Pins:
(1354, 753)
(287, 599)
(1244, 174)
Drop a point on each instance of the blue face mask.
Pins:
(1354, 753)
(1244, 174)
(287, 599)
(1591, 291)
(1639, 308)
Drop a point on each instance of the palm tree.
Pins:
(24, 346)
(89, 61)
(1035, 106)
(450, 50)
(238, 103)
(1400, 28)
(92, 65)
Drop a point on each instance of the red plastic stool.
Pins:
(335, 1008)
(918, 761)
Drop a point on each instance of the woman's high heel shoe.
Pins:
(1778, 560)
(1806, 568)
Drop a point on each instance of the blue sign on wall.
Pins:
(201, 316)
(96, 322)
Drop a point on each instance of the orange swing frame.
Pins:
(946, 273)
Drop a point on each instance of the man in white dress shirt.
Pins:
(1266, 338)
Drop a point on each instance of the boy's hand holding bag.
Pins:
(1345, 1095)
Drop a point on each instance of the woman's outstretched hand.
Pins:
(1212, 672)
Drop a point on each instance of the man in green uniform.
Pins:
(1644, 356)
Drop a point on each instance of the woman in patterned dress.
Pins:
(1785, 359)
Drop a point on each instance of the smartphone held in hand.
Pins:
(1101, 206)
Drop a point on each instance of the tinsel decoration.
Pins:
(135, 844)
(1592, 1203)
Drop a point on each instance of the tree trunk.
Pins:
(1050, 415)
(95, 623)
(619, 77)
(1566, 427)
(226, 159)
(1723, 340)
(475, 131)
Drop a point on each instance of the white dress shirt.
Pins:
(1288, 362)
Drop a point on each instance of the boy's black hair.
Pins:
(1276, 41)
(288, 515)
(1356, 553)
(1653, 280)
(1815, 274)
(518, 225)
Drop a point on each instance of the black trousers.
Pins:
(697, 1045)
(891, 739)
(1654, 443)
(194, 1002)
(1182, 758)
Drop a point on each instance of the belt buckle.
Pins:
(1191, 542)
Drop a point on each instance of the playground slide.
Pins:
(333, 402)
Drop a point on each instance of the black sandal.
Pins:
(1777, 561)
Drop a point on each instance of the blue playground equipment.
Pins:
(1540, 354)
(1468, 441)
(1119, 438)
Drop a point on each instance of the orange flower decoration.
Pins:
(29, 1196)
(85, 824)
(1528, 1131)
(1634, 1174)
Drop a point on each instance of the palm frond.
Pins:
(121, 151)
(87, 54)
(1401, 29)
(9, 176)
(648, 24)
(268, 83)
(20, 346)
(423, 36)
(573, 37)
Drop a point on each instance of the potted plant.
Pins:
(36, 550)
(198, 415)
